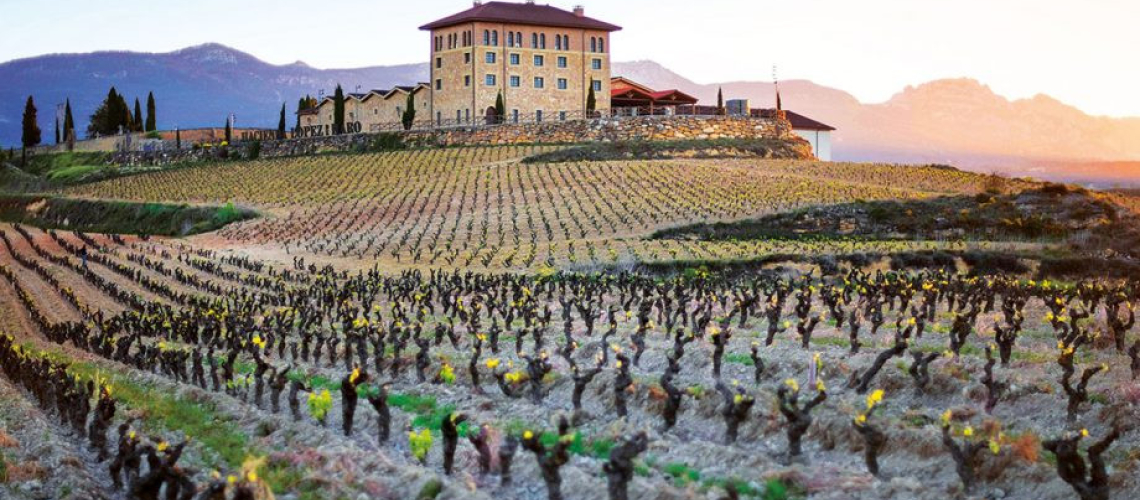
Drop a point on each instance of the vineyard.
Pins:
(484, 208)
(461, 324)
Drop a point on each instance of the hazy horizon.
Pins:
(1065, 53)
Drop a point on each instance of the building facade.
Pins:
(542, 60)
(371, 112)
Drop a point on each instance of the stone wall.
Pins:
(648, 128)
(645, 128)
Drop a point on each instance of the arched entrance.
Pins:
(492, 116)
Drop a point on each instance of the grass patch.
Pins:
(50, 164)
(740, 359)
(118, 217)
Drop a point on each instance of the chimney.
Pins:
(478, 3)
(579, 11)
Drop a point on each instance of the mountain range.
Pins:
(956, 121)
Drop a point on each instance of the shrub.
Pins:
(385, 142)
(253, 151)
(994, 263)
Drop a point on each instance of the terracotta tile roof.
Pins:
(521, 13)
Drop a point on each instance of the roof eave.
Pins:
(603, 26)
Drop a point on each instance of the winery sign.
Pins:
(326, 130)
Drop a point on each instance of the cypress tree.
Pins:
(409, 117)
(719, 101)
(229, 130)
(301, 107)
(137, 118)
(591, 102)
(338, 111)
(281, 124)
(151, 122)
(68, 124)
(177, 138)
(57, 129)
(31, 134)
(500, 108)
(120, 113)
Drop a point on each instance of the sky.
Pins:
(1081, 52)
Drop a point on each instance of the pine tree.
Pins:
(137, 121)
(338, 111)
(151, 122)
(591, 102)
(720, 102)
(409, 117)
(500, 108)
(281, 124)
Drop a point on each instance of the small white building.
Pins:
(816, 133)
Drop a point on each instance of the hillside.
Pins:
(416, 208)
(516, 331)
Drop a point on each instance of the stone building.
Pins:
(541, 59)
(373, 111)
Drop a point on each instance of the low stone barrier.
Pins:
(646, 128)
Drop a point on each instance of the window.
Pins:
(557, 42)
(495, 38)
(439, 117)
(539, 82)
(516, 81)
(439, 84)
(602, 45)
(439, 62)
(562, 116)
(467, 115)
(466, 58)
(510, 39)
(486, 37)
(490, 80)
(534, 40)
(490, 57)
(593, 44)
(515, 60)
(542, 41)
(458, 116)
(563, 84)
(597, 85)
(539, 60)
(538, 116)
(562, 61)
(515, 116)
(597, 64)
(466, 80)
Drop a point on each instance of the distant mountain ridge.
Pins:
(958, 121)
(194, 87)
